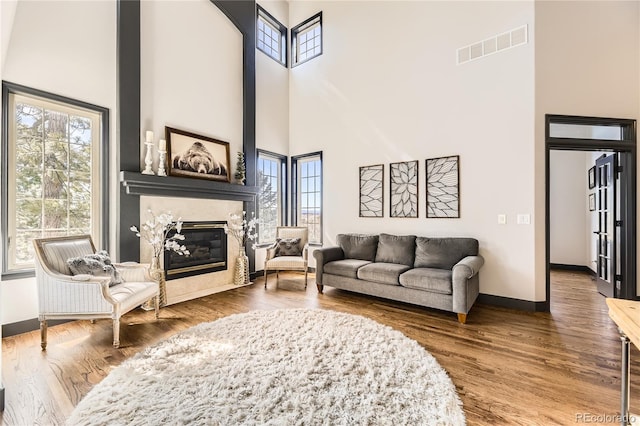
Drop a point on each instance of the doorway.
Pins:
(614, 189)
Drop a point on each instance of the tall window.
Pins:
(272, 170)
(271, 36)
(306, 40)
(307, 183)
(54, 173)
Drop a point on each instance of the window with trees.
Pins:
(307, 193)
(271, 36)
(272, 171)
(306, 40)
(55, 172)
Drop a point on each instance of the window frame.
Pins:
(295, 192)
(295, 31)
(271, 20)
(283, 208)
(9, 89)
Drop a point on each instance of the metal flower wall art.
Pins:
(443, 191)
(404, 189)
(371, 191)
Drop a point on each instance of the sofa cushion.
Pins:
(98, 264)
(396, 249)
(428, 279)
(358, 246)
(345, 268)
(443, 253)
(383, 273)
(288, 247)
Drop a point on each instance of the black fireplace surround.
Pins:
(207, 245)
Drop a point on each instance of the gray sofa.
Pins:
(439, 273)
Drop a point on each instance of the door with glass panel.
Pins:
(607, 212)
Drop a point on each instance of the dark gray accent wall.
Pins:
(128, 124)
(242, 13)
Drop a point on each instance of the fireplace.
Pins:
(207, 245)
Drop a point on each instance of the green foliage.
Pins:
(241, 171)
(53, 175)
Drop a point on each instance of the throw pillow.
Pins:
(288, 247)
(97, 264)
(396, 249)
(358, 246)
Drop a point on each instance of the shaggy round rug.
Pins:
(284, 367)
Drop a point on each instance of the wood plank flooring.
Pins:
(509, 367)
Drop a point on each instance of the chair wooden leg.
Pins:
(93, 321)
(320, 287)
(305, 279)
(265, 277)
(462, 318)
(157, 306)
(116, 333)
(43, 335)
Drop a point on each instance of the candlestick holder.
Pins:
(162, 156)
(148, 161)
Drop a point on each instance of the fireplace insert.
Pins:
(207, 245)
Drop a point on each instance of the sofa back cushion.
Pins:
(358, 246)
(443, 253)
(398, 249)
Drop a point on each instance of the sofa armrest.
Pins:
(468, 266)
(323, 256)
(465, 283)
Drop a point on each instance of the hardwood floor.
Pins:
(509, 367)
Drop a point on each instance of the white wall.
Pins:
(587, 63)
(387, 89)
(569, 211)
(73, 55)
(191, 72)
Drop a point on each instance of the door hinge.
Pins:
(619, 169)
(618, 223)
(618, 277)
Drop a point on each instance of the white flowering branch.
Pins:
(155, 231)
(241, 229)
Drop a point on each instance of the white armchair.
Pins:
(63, 296)
(275, 262)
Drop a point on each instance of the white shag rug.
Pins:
(284, 367)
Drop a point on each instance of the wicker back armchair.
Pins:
(64, 296)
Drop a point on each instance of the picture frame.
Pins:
(403, 188)
(372, 191)
(592, 177)
(443, 187)
(592, 202)
(197, 156)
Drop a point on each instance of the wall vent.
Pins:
(495, 44)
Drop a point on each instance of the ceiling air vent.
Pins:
(495, 44)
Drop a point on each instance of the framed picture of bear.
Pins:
(197, 156)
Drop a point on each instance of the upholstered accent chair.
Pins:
(61, 295)
(283, 256)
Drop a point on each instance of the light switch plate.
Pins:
(524, 219)
(502, 219)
